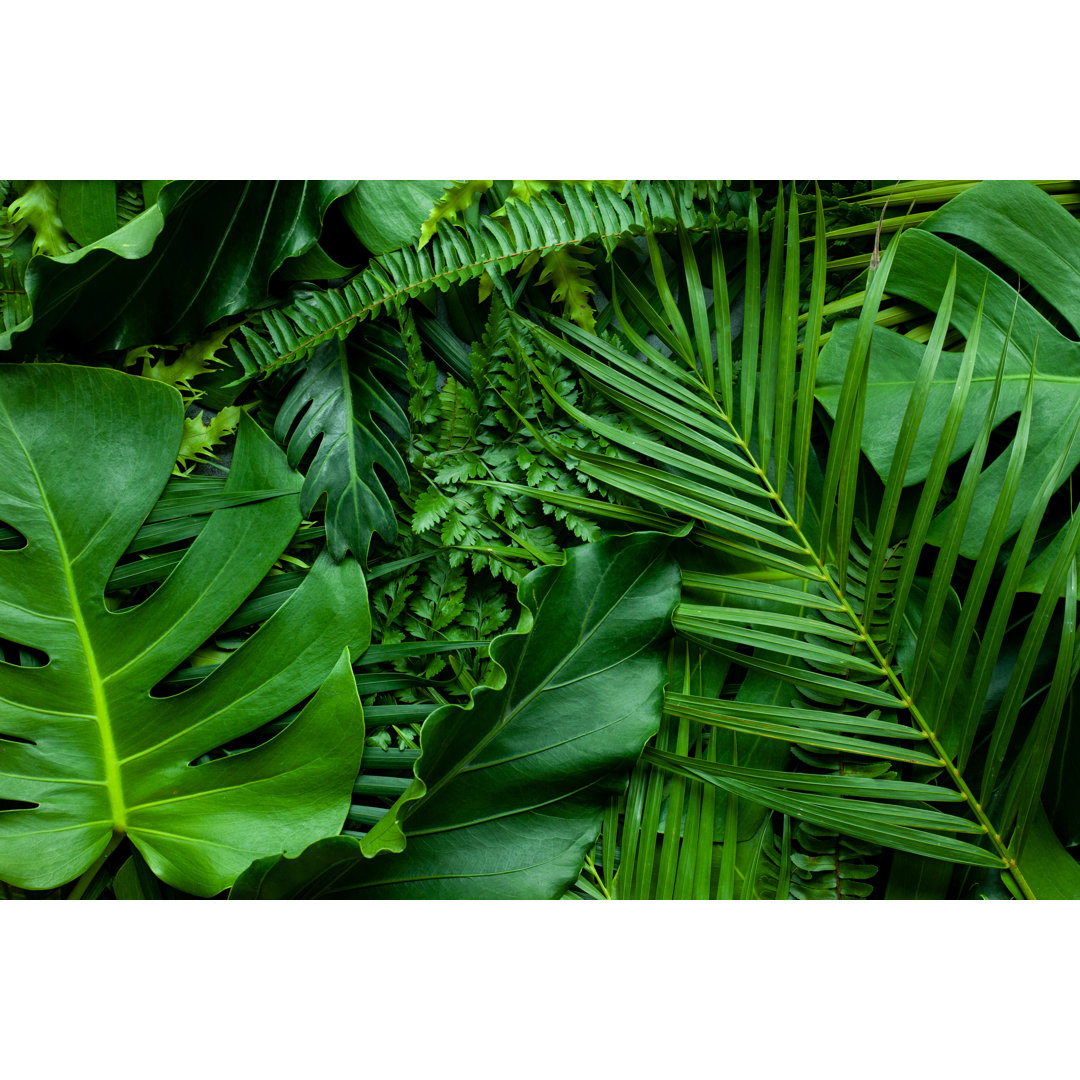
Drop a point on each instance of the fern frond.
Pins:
(461, 253)
(822, 865)
(130, 201)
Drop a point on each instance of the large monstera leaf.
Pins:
(509, 793)
(1028, 232)
(202, 251)
(87, 752)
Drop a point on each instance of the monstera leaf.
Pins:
(338, 405)
(1030, 233)
(88, 752)
(204, 250)
(509, 793)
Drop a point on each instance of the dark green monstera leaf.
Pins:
(88, 753)
(510, 792)
(339, 406)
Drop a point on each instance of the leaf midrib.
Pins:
(1018, 377)
(959, 782)
(110, 761)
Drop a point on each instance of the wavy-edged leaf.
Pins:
(509, 794)
(84, 742)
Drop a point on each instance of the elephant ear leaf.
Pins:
(89, 751)
(509, 793)
(340, 406)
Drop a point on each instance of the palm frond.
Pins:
(803, 594)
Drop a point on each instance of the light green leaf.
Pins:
(88, 208)
(88, 747)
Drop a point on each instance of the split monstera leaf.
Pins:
(88, 752)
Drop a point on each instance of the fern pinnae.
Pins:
(459, 253)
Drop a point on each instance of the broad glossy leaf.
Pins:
(1050, 870)
(388, 214)
(88, 208)
(509, 794)
(203, 250)
(1029, 232)
(84, 741)
(916, 877)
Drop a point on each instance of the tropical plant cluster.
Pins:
(539, 539)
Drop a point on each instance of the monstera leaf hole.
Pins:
(1029, 292)
(10, 538)
(18, 655)
(14, 804)
(253, 739)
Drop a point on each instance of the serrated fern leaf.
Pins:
(39, 209)
(567, 277)
(455, 200)
(340, 406)
(192, 360)
(201, 437)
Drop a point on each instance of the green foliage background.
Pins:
(477, 387)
